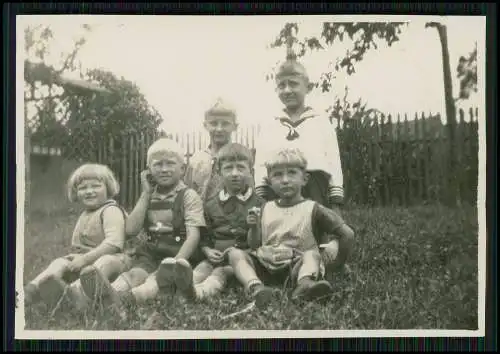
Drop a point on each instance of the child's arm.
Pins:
(135, 220)
(254, 236)
(330, 223)
(113, 222)
(194, 220)
(205, 239)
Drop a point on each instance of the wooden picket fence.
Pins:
(390, 161)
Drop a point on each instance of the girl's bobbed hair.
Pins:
(93, 171)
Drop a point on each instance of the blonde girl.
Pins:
(97, 241)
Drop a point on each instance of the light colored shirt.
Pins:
(201, 174)
(314, 136)
(99, 226)
(299, 226)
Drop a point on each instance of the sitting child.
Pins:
(292, 231)
(226, 214)
(170, 214)
(98, 238)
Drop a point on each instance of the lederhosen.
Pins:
(158, 246)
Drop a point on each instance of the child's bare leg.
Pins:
(77, 296)
(244, 270)
(186, 279)
(57, 268)
(202, 271)
(112, 265)
(147, 290)
(97, 287)
(48, 285)
(214, 283)
(308, 286)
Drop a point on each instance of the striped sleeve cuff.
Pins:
(336, 195)
(261, 191)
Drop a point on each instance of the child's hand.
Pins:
(214, 256)
(77, 264)
(253, 216)
(146, 185)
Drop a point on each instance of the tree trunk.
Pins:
(453, 195)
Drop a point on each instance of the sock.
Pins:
(78, 296)
(208, 288)
(146, 291)
(129, 280)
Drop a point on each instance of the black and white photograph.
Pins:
(250, 176)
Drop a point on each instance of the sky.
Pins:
(182, 64)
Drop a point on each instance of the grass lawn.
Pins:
(413, 268)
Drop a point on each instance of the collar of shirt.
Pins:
(180, 185)
(284, 120)
(224, 196)
(309, 112)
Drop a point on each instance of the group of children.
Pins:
(260, 218)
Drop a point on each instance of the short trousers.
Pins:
(147, 256)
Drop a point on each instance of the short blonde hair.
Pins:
(165, 145)
(221, 108)
(286, 157)
(93, 171)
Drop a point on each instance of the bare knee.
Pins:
(236, 255)
(106, 259)
(138, 274)
(59, 264)
(311, 255)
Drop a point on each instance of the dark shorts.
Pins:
(272, 278)
(148, 257)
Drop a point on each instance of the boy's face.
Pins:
(287, 181)
(92, 193)
(220, 129)
(292, 91)
(166, 169)
(235, 175)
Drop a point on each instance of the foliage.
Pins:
(405, 274)
(78, 122)
(363, 35)
(355, 119)
(467, 74)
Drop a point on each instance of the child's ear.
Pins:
(310, 87)
(306, 177)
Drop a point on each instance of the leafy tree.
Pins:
(72, 118)
(363, 35)
(467, 73)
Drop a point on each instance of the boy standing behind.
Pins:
(301, 127)
(201, 175)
